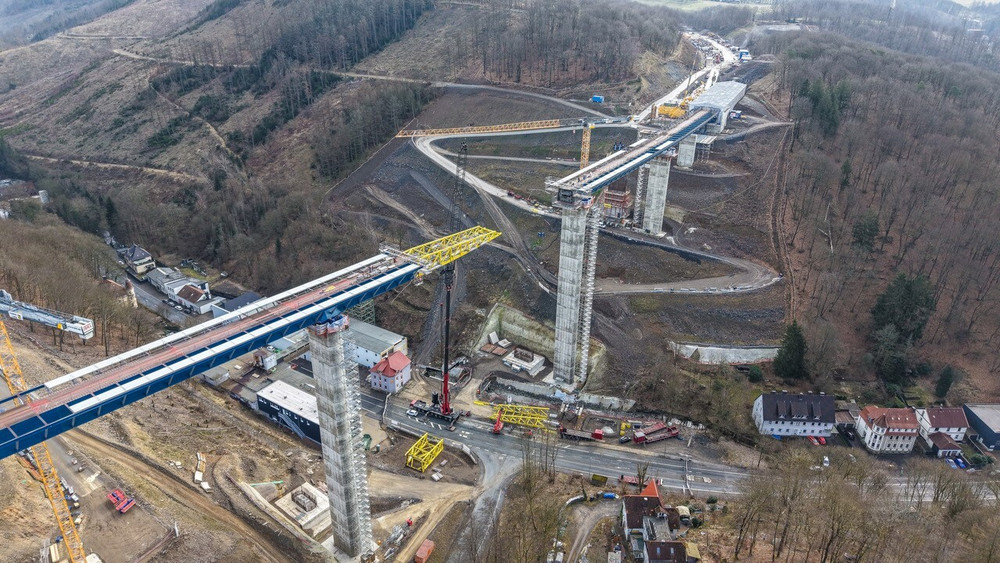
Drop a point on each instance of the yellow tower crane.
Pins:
(50, 479)
(585, 146)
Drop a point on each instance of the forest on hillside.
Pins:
(891, 170)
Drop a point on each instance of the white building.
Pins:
(886, 430)
(947, 420)
(368, 344)
(797, 414)
(391, 374)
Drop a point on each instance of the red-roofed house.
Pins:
(645, 520)
(885, 430)
(391, 373)
(947, 420)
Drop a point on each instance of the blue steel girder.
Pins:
(50, 423)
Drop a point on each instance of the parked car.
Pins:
(822, 440)
(624, 439)
(951, 463)
(826, 461)
(961, 463)
(814, 441)
(850, 434)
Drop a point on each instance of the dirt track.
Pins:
(182, 494)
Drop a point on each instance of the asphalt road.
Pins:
(148, 297)
(574, 457)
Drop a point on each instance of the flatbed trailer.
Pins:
(580, 434)
(662, 434)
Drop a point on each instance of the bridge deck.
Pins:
(86, 394)
(582, 185)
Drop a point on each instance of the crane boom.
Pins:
(50, 478)
(80, 326)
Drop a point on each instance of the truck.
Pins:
(580, 434)
(424, 552)
(643, 437)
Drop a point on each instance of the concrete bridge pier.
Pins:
(656, 195)
(338, 401)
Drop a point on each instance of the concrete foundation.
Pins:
(685, 152)
(339, 402)
(571, 251)
(656, 195)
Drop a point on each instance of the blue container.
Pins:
(597, 99)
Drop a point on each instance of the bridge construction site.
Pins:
(581, 201)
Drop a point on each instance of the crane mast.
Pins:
(50, 478)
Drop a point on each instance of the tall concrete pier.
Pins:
(339, 403)
(572, 245)
(656, 195)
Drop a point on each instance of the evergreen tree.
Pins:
(907, 304)
(945, 381)
(790, 363)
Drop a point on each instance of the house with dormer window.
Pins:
(794, 414)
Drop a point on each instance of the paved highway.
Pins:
(582, 458)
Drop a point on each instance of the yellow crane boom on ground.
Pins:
(521, 415)
(519, 126)
(46, 469)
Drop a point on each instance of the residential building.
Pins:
(794, 414)
(645, 520)
(666, 552)
(391, 374)
(124, 293)
(291, 407)
(236, 303)
(947, 420)
(160, 277)
(367, 344)
(139, 261)
(885, 430)
(985, 420)
(196, 299)
(942, 445)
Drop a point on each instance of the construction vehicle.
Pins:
(570, 434)
(121, 501)
(40, 455)
(498, 426)
(80, 326)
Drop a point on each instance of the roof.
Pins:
(638, 506)
(989, 414)
(371, 337)
(395, 363)
(136, 253)
(292, 399)
(162, 275)
(693, 551)
(806, 407)
(943, 442)
(890, 419)
(191, 294)
(666, 551)
(241, 301)
(947, 417)
(722, 96)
